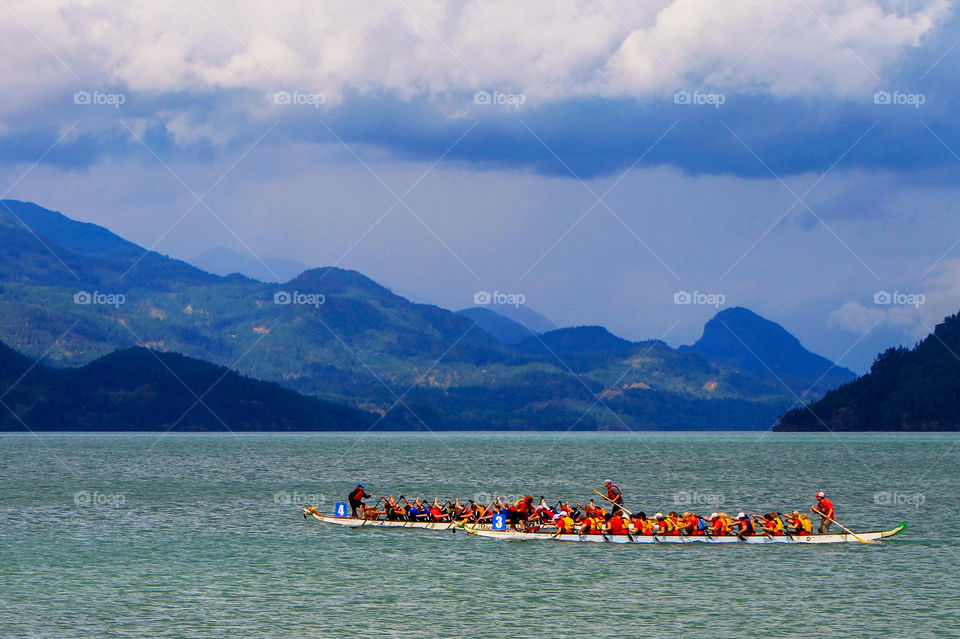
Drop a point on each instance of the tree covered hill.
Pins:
(136, 389)
(906, 390)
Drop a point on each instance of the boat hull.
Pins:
(353, 522)
(510, 535)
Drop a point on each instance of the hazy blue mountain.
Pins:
(221, 260)
(906, 390)
(525, 316)
(337, 335)
(136, 389)
(504, 330)
(740, 338)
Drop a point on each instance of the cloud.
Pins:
(597, 81)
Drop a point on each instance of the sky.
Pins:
(604, 160)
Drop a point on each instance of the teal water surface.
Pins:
(140, 535)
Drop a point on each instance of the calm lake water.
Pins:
(201, 536)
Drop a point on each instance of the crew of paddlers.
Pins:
(607, 518)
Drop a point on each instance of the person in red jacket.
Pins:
(616, 525)
(825, 508)
(356, 500)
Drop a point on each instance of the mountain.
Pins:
(502, 329)
(525, 316)
(906, 390)
(739, 338)
(224, 261)
(137, 389)
(338, 336)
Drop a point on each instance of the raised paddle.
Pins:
(842, 527)
(612, 502)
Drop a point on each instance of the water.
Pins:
(135, 535)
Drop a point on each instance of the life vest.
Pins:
(693, 522)
(770, 526)
(673, 525)
(747, 527)
(616, 526)
(806, 526)
(614, 493)
(589, 527)
(357, 494)
(778, 526)
(566, 524)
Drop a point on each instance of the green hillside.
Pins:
(906, 390)
(337, 335)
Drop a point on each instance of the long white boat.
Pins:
(355, 522)
(830, 538)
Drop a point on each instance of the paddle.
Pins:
(842, 527)
(612, 502)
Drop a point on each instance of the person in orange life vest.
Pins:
(436, 512)
(800, 523)
(660, 525)
(673, 523)
(520, 511)
(717, 525)
(614, 495)
(825, 506)
(356, 497)
(564, 523)
(747, 527)
(591, 526)
(691, 524)
(616, 525)
(772, 525)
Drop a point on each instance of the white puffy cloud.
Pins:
(547, 48)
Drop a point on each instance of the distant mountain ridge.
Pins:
(221, 260)
(339, 336)
(914, 389)
(136, 389)
(740, 338)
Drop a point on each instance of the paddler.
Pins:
(691, 524)
(615, 524)
(800, 523)
(436, 511)
(825, 508)
(564, 523)
(590, 525)
(520, 511)
(673, 523)
(642, 525)
(356, 498)
(747, 527)
(614, 495)
(772, 524)
(393, 510)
